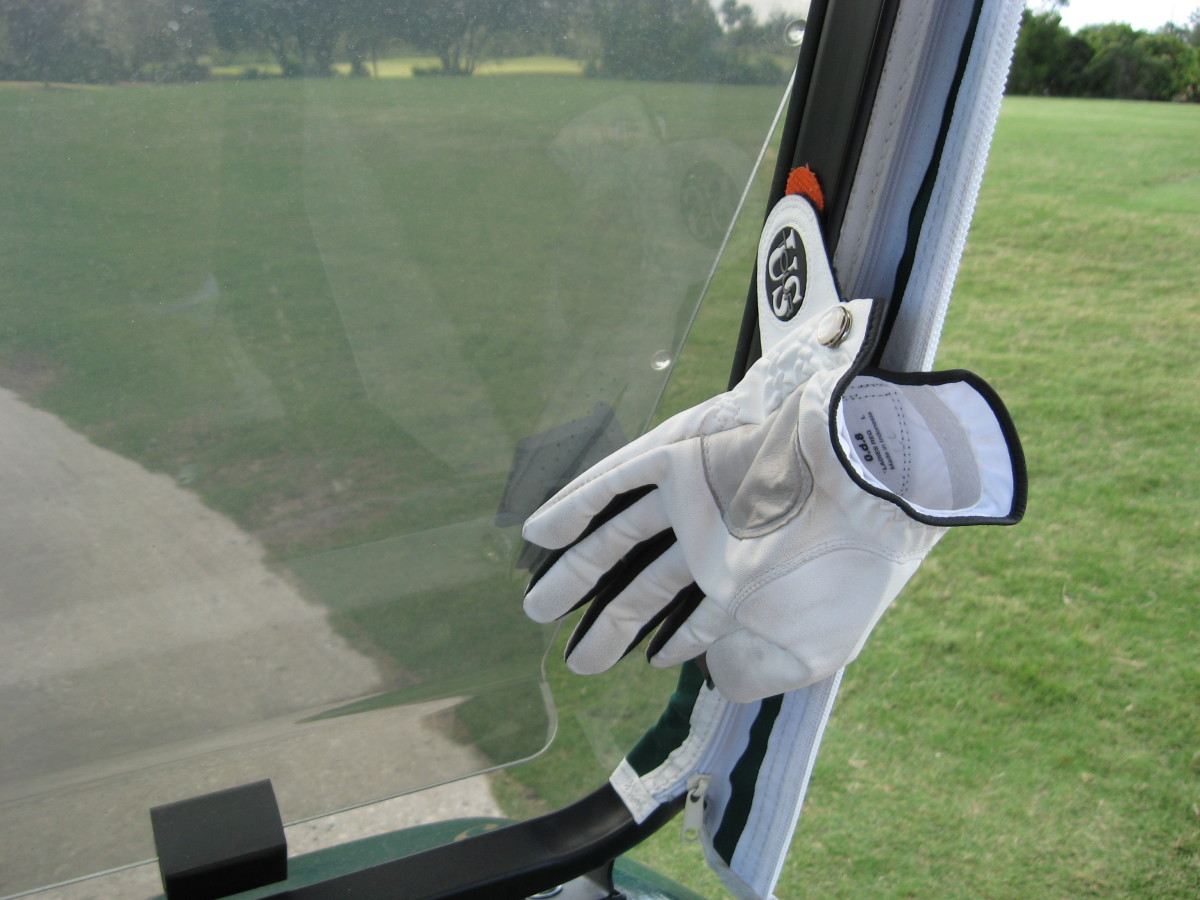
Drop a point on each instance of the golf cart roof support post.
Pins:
(833, 89)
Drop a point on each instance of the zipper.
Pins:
(693, 808)
(970, 125)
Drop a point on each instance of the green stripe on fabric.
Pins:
(744, 778)
(672, 727)
(916, 219)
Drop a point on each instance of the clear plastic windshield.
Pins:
(284, 363)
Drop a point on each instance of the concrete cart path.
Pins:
(135, 621)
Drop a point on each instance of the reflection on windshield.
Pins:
(286, 355)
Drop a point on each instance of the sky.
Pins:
(1145, 15)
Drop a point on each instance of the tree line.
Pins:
(175, 40)
(1115, 61)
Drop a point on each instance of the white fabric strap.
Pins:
(712, 720)
(913, 342)
(757, 779)
(762, 845)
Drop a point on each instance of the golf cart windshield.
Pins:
(285, 362)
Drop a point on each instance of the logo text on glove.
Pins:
(787, 273)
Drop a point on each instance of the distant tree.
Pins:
(36, 35)
(658, 40)
(739, 23)
(743, 31)
(1187, 59)
(159, 40)
(301, 34)
(371, 26)
(457, 32)
(1112, 60)
(53, 40)
(680, 40)
(773, 30)
(1048, 59)
(1189, 33)
(1133, 65)
(1180, 59)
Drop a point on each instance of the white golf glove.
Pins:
(769, 527)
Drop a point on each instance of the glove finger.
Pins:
(745, 667)
(629, 604)
(682, 605)
(685, 635)
(572, 576)
(565, 517)
(616, 506)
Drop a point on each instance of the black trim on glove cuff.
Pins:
(1016, 457)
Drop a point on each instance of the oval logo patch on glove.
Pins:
(787, 273)
(794, 279)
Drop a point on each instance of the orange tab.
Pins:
(803, 181)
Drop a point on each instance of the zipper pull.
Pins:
(693, 808)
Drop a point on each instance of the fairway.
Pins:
(217, 282)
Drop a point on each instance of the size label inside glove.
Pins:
(907, 439)
(873, 446)
(878, 429)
